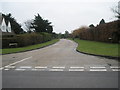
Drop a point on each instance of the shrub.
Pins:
(108, 32)
(6, 41)
(26, 39)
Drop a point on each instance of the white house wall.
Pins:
(9, 27)
(3, 26)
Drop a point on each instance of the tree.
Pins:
(54, 35)
(49, 29)
(14, 25)
(27, 26)
(116, 34)
(60, 35)
(91, 26)
(102, 22)
(41, 25)
(116, 10)
(66, 35)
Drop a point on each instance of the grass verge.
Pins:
(32, 47)
(97, 48)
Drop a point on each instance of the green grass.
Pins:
(98, 48)
(13, 50)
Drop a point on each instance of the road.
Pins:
(58, 65)
(31, 79)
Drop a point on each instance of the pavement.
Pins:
(60, 66)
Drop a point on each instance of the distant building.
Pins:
(5, 29)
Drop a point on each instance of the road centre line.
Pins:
(18, 62)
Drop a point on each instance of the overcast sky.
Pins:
(64, 14)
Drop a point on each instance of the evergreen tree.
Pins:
(66, 35)
(91, 26)
(41, 25)
(102, 22)
(50, 29)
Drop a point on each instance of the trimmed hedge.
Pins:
(26, 39)
(108, 32)
(6, 41)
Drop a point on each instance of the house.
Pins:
(5, 29)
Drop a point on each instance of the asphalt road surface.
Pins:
(58, 65)
(31, 79)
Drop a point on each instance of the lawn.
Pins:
(13, 50)
(98, 48)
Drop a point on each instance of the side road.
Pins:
(62, 53)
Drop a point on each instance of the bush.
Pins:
(46, 37)
(6, 41)
(108, 32)
(26, 39)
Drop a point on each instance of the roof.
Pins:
(6, 29)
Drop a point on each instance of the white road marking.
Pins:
(18, 69)
(76, 69)
(1, 68)
(25, 67)
(34, 69)
(55, 69)
(38, 67)
(58, 67)
(117, 67)
(98, 69)
(6, 69)
(18, 61)
(9, 66)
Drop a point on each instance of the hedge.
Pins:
(26, 39)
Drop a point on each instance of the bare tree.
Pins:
(116, 10)
(27, 25)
